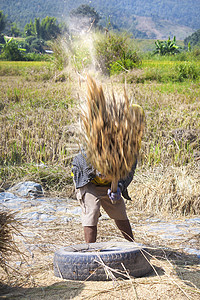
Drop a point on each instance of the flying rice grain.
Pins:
(112, 133)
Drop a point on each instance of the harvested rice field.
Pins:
(39, 120)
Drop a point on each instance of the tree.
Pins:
(2, 21)
(193, 39)
(37, 27)
(49, 28)
(46, 29)
(29, 29)
(14, 30)
(83, 17)
(166, 47)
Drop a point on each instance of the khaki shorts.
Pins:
(91, 197)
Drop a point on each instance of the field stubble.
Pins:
(40, 130)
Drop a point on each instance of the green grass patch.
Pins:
(164, 63)
(166, 72)
(14, 68)
(185, 88)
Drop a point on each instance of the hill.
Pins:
(194, 39)
(144, 18)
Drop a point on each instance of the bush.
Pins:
(196, 53)
(124, 64)
(187, 70)
(60, 56)
(37, 46)
(33, 45)
(37, 57)
(114, 53)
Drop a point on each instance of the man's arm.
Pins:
(124, 183)
(83, 173)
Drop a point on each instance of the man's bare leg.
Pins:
(90, 233)
(125, 228)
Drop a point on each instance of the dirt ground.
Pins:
(30, 273)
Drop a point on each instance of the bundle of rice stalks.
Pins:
(7, 227)
(112, 133)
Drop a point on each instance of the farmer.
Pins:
(93, 191)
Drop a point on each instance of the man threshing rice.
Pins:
(112, 138)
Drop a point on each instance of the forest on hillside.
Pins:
(37, 34)
(122, 13)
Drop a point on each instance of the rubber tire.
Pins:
(79, 262)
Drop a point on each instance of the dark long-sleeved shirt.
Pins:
(84, 173)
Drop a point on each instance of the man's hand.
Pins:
(114, 197)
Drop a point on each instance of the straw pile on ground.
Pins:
(173, 190)
(113, 129)
(7, 228)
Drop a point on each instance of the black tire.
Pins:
(84, 261)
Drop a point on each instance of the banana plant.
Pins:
(160, 49)
(11, 51)
(166, 47)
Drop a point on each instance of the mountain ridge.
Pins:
(150, 18)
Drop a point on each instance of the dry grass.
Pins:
(8, 227)
(172, 135)
(113, 132)
(35, 121)
(174, 191)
